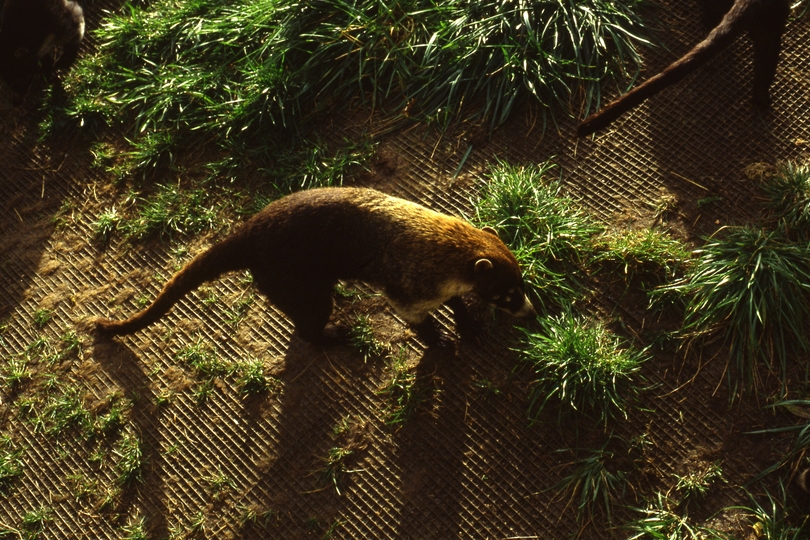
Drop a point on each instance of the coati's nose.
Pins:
(527, 309)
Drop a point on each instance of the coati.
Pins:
(763, 19)
(299, 246)
(37, 36)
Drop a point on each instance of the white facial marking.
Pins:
(526, 309)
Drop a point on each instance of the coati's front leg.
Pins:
(467, 325)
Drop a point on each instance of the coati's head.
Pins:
(498, 281)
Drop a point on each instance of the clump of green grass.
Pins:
(225, 70)
(42, 317)
(64, 409)
(548, 232)
(578, 362)
(642, 252)
(335, 467)
(787, 198)
(592, 483)
(361, 337)
(34, 520)
(81, 487)
(113, 416)
(749, 288)
(11, 463)
(772, 520)
(802, 442)
(106, 224)
(15, 372)
(402, 391)
(219, 484)
(171, 210)
(199, 355)
(696, 483)
(130, 454)
(255, 514)
(135, 529)
(251, 378)
(238, 310)
(660, 520)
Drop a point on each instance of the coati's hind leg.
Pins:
(767, 42)
(309, 310)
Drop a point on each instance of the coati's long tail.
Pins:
(720, 37)
(206, 266)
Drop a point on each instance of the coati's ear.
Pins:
(490, 230)
(483, 265)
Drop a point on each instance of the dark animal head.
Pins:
(498, 281)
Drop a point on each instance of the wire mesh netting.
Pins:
(216, 463)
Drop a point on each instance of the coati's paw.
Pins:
(762, 100)
(433, 335)
(334, 335)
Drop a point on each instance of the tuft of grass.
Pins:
(548, 232)
(15, 372)
(402, 391)
(135, 530)
(11, 463)
(170, 210)
(81, 487)
(130, 454)
(772, 520)
(106, 224)
(696, 483)
(42, 317)
(802, 442)
(109, 422)
(578, 362)
(659, 520)
(335, 468)
(233, 71)
(200, 356)
(253, 514)
(749, 288)
(361, 337)
(34, 520)
(219, 484)
(63, 410)
(593, 483)
(646, 252)
(239, 310)
(787, 199)
(251, 378)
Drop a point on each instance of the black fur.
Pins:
(38, 36)
(299, 246)
(764, 20)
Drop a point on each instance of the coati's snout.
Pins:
(502, 288)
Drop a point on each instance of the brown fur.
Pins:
(299, 246)
(765, 22)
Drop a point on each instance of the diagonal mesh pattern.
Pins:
(467, 464)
